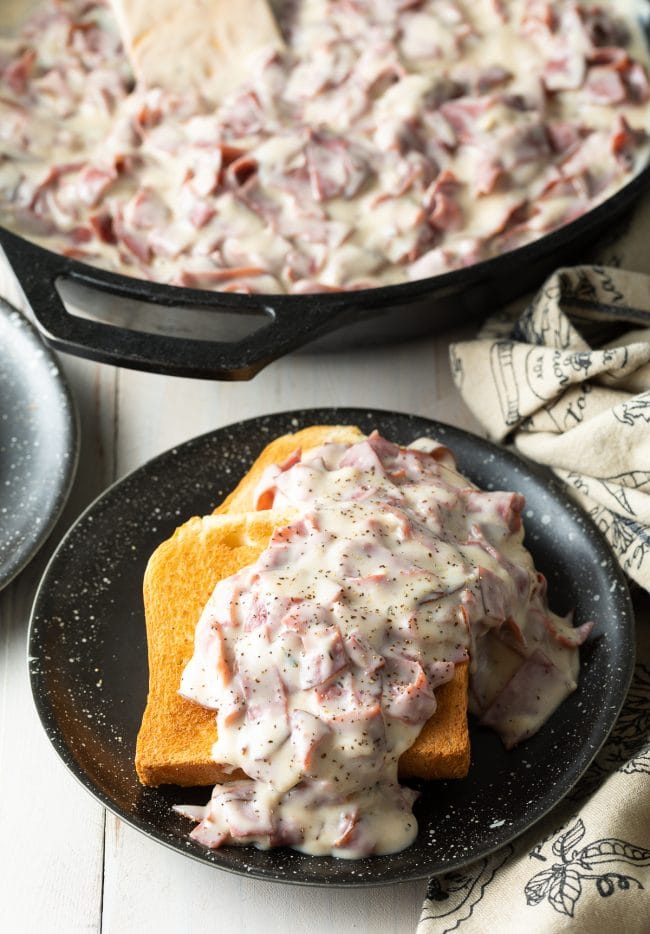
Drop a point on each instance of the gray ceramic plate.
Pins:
(89, 674)
(38, 442)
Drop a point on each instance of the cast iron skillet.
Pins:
(286, 322)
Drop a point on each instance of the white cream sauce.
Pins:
(390, 141)
(321, 659)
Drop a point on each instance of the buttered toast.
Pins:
(176, 737)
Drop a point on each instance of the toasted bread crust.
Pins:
(176, 736)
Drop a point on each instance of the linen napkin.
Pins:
(568, 383)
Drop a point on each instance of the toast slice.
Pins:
(176, 736)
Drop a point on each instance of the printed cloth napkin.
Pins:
(568, 383)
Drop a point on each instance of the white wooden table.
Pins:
(65, 864)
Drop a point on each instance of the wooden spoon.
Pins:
(181, 45)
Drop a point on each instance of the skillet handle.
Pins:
(290, 324)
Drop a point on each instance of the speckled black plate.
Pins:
(38, 442)
(89, 672)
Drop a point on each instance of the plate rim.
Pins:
(71, 443)
(515, 460)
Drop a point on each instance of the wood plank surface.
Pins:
(51, 830)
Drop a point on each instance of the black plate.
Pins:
(38, 442)
(89, 675)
